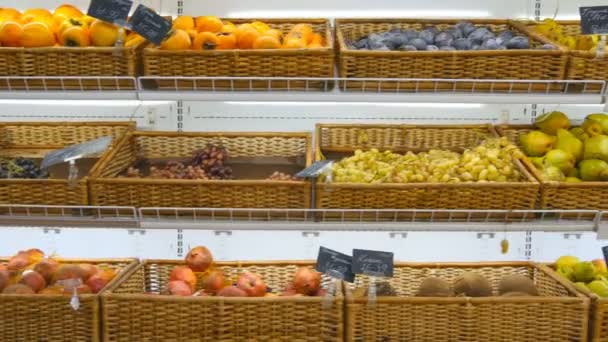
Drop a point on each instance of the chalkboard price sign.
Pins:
(605, 251)
(594, 20)
(149, 24)
(112, 11)
(335, 264)
(373, 263)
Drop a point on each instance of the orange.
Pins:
(266, 42)
(209, 24)
(10, 33)
(177, 40)
(184, 23)
(103, 34)
(37, 34)
(205, 41)
(77, 36)
(226, 41)
(69, 11)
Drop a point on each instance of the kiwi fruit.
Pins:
(434, 287)
(517, 283)
(472, 284)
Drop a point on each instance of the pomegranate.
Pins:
(179, 288)
(34, 255)
(199, 259)
(185, 274)
(88, 271)
(100, 279)
(307, 281)
(231, 291)
(214, 282)
(18, 262)
(47, 267)
(34, 280)
(68, 271)
(252, 284)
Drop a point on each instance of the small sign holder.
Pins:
(112, 11)
(149, 24)
(594, 21)
(337, 266)
(374, 264)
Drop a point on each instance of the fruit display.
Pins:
(472, 284)
(21, 168)
(491, 161)
(212, 33)
(207, 163)
(33, 272)
(589, 275)
(462, 37)
(281, 176)
(65, 26)
(201, 278)
(554, 31)
(569, 154)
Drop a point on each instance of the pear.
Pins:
(549, 123)
(579, 133)
(572, 180)
(598, 287)
(536, 143)
(596, 148)
(561, 159)
(573, 173)
(592, 128)
(539, 162)
(593, 170)
(553, 174)
(566, 141)
(601, 119)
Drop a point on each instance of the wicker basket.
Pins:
(561, 195)
(311, 63)
(70, 61)
(561, 314)
(50, 317)
(598, 319)
(582, 64)
(131, 315)
(35, 139)
(108, 188)
(531, 64)
(345, 139)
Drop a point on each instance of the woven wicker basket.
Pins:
(561, 195)
(107, 188)
(531, 64)
(598, 319)
(130, 315)
(34, 139)
(560, 314)
(582, 65)
(345, 139)
(70, 61)
(50, 317)
(312, 63)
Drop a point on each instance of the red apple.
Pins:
(88, 271)
(307, 281)
(199, 259)
(185, 274)
(179, 288)
(47, 268)
(100, 279)
(214, 282)
(34, 280)
(18, 262)
(231, 291)
(252, 284)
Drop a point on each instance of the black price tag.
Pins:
(605, 251)
(314, 170)
(335, 264)
(373, 263)
(594, 20)
(112, 11)
(149, 24)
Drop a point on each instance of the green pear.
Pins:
(573, 173)
(553, 174)
(584, 272)
(549, 123)
(536, 143)
(561, 159)
(592, 128)
(596, 148)
(579, 133)
(593, 170)
(599, 287)
(539, 162)
(566, 261)
(566, 141)
(572, 180)
(581, 286)
(600, 118)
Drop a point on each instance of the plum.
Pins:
(462, 44)
(466, 27)
(428, 36)
(504, 37)
(455, 32)
(490, 44)
(395, 40)
(410, 34)
(444, 39)
(518, 42)
(361, 44)
(407, 48)
(432, 48)
(479, 35)
(419, 44)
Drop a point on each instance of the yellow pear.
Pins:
(550, 122)
(536, 143)
(566, 141)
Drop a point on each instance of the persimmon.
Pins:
(226, 40)
(35, 14)
(294, 43)
(303, 31)
(317, 41)
(228, 27)
(184, 22)
(176, 40)
(103, 33)
(135, 40)
(9, 14)
(75, 36)
(36, 34)
(260, 26)
(10, 33)
(68, 10)
(71, 22)
(192, 33)
(209, 24)
(205, 41)
(266, 42)
(246, 36)
(275, 33)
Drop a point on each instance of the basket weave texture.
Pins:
(107, 189)
(402, 138)
(530, 64)
(560, 314)
(129, 315)
(50, 317)
(32, 137)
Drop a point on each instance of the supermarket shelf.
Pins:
(68, 88)
(302, 219)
